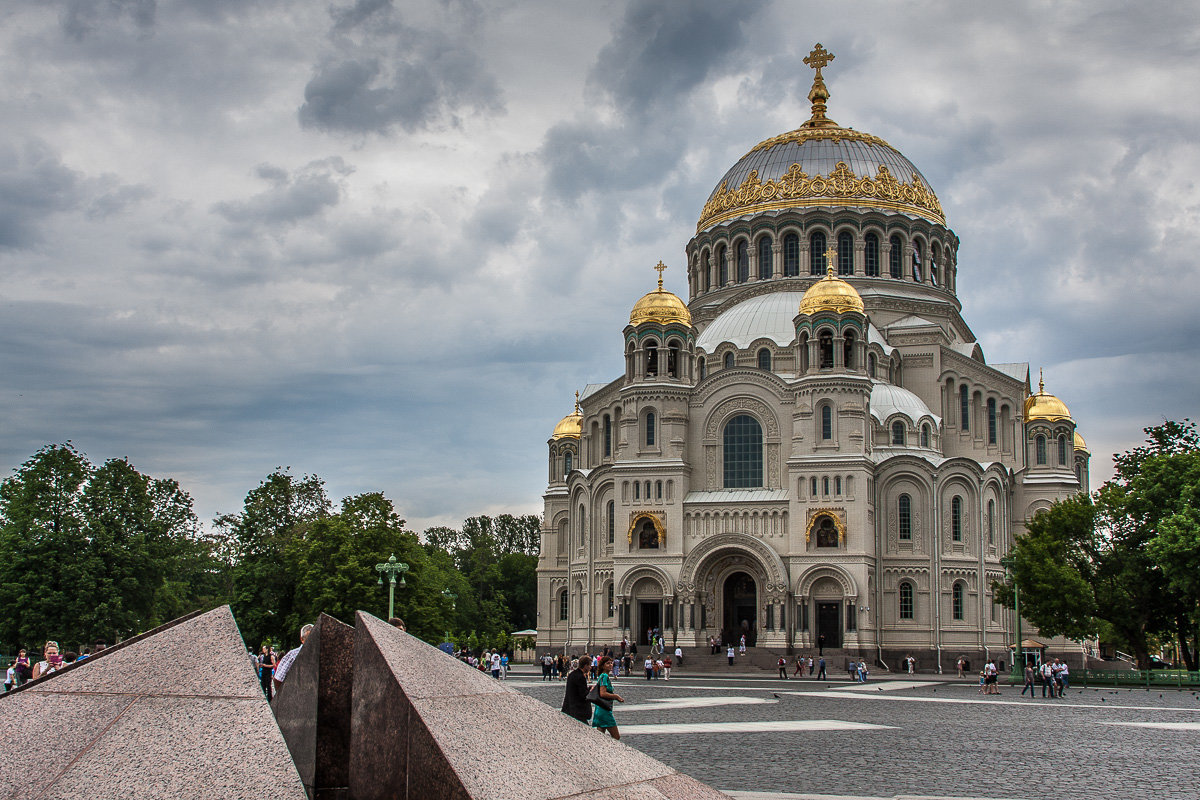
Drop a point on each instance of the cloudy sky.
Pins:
(384, 242)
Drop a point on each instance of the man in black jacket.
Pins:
(575, 702)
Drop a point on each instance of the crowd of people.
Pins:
(26, 668)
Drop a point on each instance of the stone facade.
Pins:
(854, 472)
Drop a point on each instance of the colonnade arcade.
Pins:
(733, 585)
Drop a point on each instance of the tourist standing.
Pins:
(10, 677)
(649, 665)
(821, 669)
(678, 656)
(602, 718)
(1028, 681)
(266, 667)
(730, 655)
(1064, 678)
(782, 667)
(575, 703)
(1047, 679)
(289, 658)
(799, 671)
(52, 661)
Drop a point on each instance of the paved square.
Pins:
(768, 738)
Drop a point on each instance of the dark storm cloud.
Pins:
(83, 17)
(310, 192)
(383, 73)
(34, 184)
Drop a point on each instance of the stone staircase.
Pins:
(761, 659)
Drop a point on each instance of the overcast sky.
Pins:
(385, 242)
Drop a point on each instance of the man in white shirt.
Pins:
(649, 665)
(285, 663)
(1047, 679)
(1064, 678)
(679, 656)
(496, 665)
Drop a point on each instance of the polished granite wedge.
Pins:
(174, 713)
(312, 708)
(426, 725)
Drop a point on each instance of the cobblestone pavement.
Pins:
(937, 739)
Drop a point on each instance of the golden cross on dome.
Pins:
(576, 401)
(660, 267)
(1041, 383)
(818, 59)
(830, 260)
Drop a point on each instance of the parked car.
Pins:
(1158, 663)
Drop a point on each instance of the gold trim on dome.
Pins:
(796, 188)
(655, 519)
(836, 135)
(832, 513)
(660, 306)
(831, 293)
(570, 426)
(1045, 406)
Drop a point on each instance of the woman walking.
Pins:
(602, 718)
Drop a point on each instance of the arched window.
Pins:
(814, 486)
(916, 262)
(673, 349)
(722, 266)
(612, 521)
(964, 408)
(658, 490)
(906, 600)
(743, 261)
(1062, 449)
(1040, 446)
(729, 360)
(764, 358)
(647, 536)
(904, 513)
(802, 352)
(566, 464)
(956, 597)
(871, 364)
(816, 253)
(637, 490)
(934, 257)
(991, 521)
(825, 345)
(848, 349)
(991, 412)
(706, 270)
(837, 485)
(743, 446)
(649, 429)
(765, 258)
(825, 485)
(582, 525)
(898, 433)
(896, 257)
(611, 605)
(651, 357)
(827, 532)
(956, 518)
(607, 435)
(562, 606)
(791, 255)
(925, 436)
(702, 365)
(845, 254)
(871, 254)
(826, 422)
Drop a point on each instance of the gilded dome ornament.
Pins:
(570, 426)
(1080, 444)
(660, 306)
(1044, 406)
(831, 293)
(844, 167)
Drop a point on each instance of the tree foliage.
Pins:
(1127, 560)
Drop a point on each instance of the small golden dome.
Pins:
(570, 426)
(1045, 406)
(660, 306)
(831, 294)
(1080, 444)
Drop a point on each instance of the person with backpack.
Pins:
(782, 667)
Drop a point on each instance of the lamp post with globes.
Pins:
(1018, 660)
(392, 568)
(451, 596)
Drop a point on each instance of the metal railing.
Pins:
(1178, 678)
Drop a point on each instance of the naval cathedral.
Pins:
(813, 448)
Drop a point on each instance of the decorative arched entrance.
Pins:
(648, 597)
(740, 608)
(827, 600)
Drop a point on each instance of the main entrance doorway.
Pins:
(741, 609)
(829, 619)
(649, 618)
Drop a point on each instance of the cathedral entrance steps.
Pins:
(762, 659)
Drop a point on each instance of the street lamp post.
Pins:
(392, 567)
(451, 596)
(1018, 651)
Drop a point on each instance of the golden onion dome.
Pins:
(1080, 444)
(660, 306)
(831, 294)
(1045, 406)
(570, 426)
